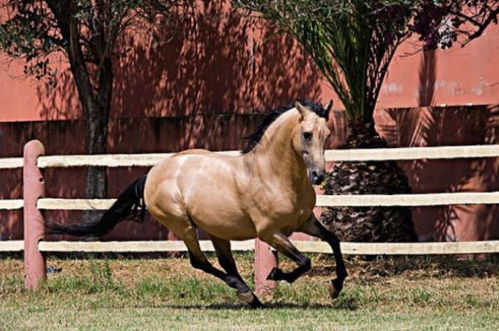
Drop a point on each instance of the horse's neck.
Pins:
(275, 154)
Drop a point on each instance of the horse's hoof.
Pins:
(250, 299)
(256, 303)
(245, 296)
(275, 274)
(334, 288)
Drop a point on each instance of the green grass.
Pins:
(386, 294)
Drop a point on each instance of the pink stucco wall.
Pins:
(208, 90)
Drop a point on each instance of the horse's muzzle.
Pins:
(316, 177)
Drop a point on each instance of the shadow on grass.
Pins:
(241, 306)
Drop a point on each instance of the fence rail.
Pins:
(34, 202)
(375, 154)
(427, 199)
(412, 153)
(11, 204)
(12, 246)
(11, 162)
(379, 154)
(348, 248)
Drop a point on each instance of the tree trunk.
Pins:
(97, 125)
(368, 224)
(94, 90)
(96, 179)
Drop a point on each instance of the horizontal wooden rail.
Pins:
(134, 246)
(412, 153)
(74, 204)
(433, 248)
(429, 199)
(11, 204)
(108, 160)
(377, 154)
(11, 162)
(11, 246)
(348, 248)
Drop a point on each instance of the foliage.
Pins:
(89, 35)
(34, 29)
(353, 41)
(441, 23)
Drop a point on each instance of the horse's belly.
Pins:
(220, 214)
(224, 225)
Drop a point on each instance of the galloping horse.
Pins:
(266, 193)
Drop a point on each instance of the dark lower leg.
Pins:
(315, 228)
(202, 263)
(334, 242)
(282, 244)
(226, 260)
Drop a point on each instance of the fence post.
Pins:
(265, 260)
(34, 224)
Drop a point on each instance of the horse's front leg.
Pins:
(314, 228)
(282, 244)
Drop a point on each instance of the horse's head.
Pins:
(309, 138)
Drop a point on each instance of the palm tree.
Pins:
(352, 42)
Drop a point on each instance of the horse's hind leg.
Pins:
(226, 260)
(313, 227)
(199, 261)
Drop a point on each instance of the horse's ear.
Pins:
(328, 109)
(302, 110)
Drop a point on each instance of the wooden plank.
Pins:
(378, 154)
(11, 246)
(350, 248)
(134, 246)
(11, 204)
(428, 199)
(74, 204)
(108, 160)
(11, 162)
(412, 153)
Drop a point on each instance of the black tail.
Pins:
(126, 207)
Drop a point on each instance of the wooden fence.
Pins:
(34, 202)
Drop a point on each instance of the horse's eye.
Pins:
(307, 136)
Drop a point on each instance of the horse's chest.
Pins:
(286, 213)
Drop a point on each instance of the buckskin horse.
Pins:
(266, 193)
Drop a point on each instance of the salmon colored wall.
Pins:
(207, 85)
(223, 63)
(457, 76)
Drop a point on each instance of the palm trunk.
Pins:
(368, 224)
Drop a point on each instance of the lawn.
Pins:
(123, 293)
